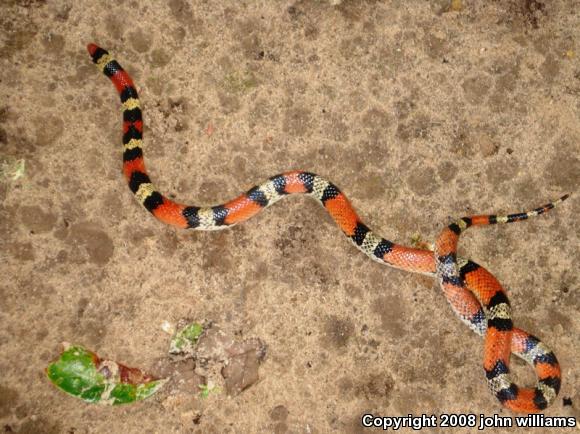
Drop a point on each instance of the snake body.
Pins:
(475, 295)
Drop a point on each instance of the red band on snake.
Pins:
(475, 295)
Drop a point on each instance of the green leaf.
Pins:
(186, 338)
(81, 373)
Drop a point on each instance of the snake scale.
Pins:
(475, 295)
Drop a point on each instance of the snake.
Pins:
(475, 295)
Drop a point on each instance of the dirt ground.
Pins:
(419, 111)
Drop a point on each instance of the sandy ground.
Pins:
(419, 112)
